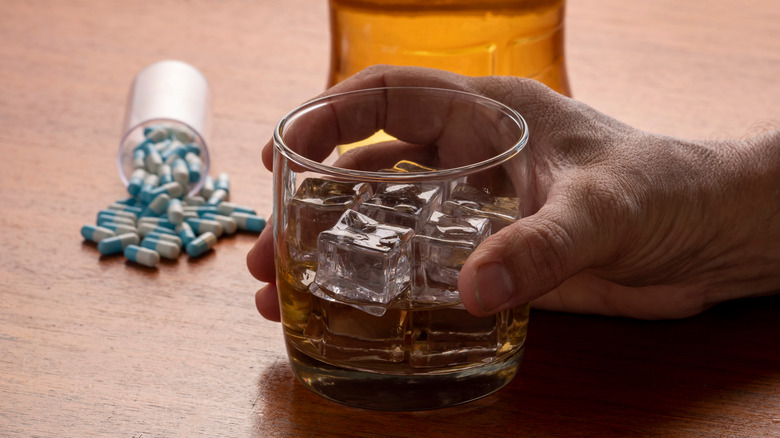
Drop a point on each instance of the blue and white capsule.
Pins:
(165, 174)
(229, 225)
(201, 245)
(217, 197)
(146, 228)
(226, 208)
(200, 210)
(126, 207)
(156, 133)
(104, 219)
(95, 233)
(164, 248)
(194, 165)
(192, 147)
(153, 160)
(175, 211)
(194, 201)
(159, 204)
(107, 212)
(182, 134)
(185, 233)
(136, 181)
(150, 183)
(181, 174)
(142, 256)
(172, 189)
(117, 244)
(207, 189)
(173, 151)
(172, 238)
(158, 221)
(120, 228)
(139, 156)
(222, 182)
(248, 222)
(200, 226)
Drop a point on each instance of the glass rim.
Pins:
(308, 164)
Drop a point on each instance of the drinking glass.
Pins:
(369, 244)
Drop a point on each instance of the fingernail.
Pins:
(493, 286)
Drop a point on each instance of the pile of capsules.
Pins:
(159, 219)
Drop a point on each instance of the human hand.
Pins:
(623, 222)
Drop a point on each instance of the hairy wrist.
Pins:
(754, 260)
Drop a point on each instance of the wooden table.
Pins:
(95, 346)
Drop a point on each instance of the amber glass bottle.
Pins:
(471, 37)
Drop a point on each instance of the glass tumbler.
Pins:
(369, 244)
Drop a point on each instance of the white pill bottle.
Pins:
(176, 97)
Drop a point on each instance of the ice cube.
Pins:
(408, 205)
(371, 310)
(467, 200)
(363, 261)
(439, 251)
(316, 206)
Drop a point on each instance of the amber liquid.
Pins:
(471, 37)
(406, 339)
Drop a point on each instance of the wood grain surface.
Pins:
(96, 346)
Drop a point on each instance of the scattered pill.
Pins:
(136, 181)
(112, 213)
(222, 182)
(229, 225)
(175, 211)
(201, 244)
(172, 189)
(218, 196)
(120, 228)
(225, 208)
(164, 248)
(200, 210)
(159, 221)
(159, 204)
(126, 207)
(126, 201)
(190, 215)
(142, 256)
(181, 174)
(161, 218)
(208, 188)
(146, 228)
(117, 244)
(200, 226)
(194, 166)
(248, 222)
(193, 201)
(166, 237)
(150, 183)
(104, 219)
(95, 233)
(185, 233)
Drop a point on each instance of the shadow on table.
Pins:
(714, 374)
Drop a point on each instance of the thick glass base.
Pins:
(402, 392)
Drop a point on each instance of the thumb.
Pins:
(527, 259)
